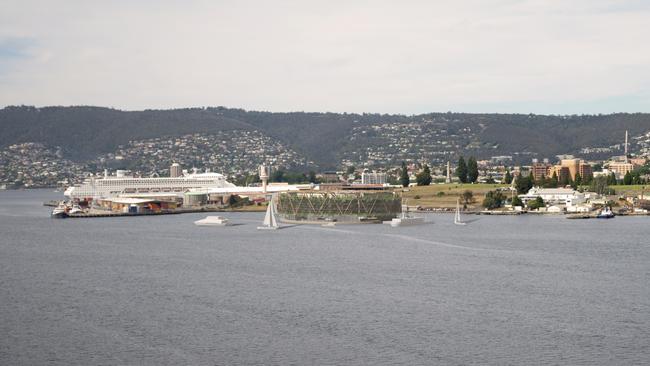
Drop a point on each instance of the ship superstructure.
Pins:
(121, 184)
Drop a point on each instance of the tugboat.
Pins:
(605, 213)
(60, 211)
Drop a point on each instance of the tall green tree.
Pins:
(472, 170)
(611, 179)
(577, 181)
(554, 181)
(507, 179)
(461, 170)
(312, 177)
(627, 179)
(423, 178)
(536, 203)
(404, 176)
(523, 184)
(564, 180)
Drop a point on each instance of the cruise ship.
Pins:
(122, 184)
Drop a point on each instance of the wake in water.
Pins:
(397, 236)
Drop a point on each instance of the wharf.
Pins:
(503, 213)
(581, 216)
(102, 213)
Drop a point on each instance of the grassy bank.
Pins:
(445, 195)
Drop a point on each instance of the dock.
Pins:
(101, 213)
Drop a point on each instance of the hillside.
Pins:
(326, 138)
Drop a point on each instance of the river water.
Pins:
(161, 291)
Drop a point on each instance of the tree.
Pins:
(536, 203)
(611, 179)
(516, 201)
(554, 181)
(599, 185)
(493, 199)
(350, 170)
(507, 179)
(461, 170)
(277, 176)
(627, 179)
(577, 181)
(564, 180)
(404, 176)
(424, 177)
(472, 170)
(312, 177)
(523, 184)
(467, 197)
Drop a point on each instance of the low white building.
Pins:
(554, 196)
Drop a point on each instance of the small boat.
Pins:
(270, 220)
(60, 211)
(457, 219)
(605, 213)
(329, 224)
(213, 221)
(75, 210)
(405, 219)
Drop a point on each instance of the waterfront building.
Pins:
(330, 177)
(620, 168)
(585, 170)
(573, 165)
(554, 196)
(577, 166)
(540, 170)
(561, 172)
(638, 162)
(373, 178)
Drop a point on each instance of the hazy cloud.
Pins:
(375, 56)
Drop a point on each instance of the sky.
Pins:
(375, 56)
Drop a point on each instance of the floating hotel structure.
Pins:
(341, 207)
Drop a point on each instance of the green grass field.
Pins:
(445, 195)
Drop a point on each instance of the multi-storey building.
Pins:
(373, 178)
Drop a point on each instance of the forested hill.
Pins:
(324, 138)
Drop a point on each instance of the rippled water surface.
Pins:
(161, 291)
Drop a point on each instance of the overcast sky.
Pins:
(552, 57)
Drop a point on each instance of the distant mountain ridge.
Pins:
(324, 138)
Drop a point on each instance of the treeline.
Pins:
(423, 178)
(467, 172)
(86, 132)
